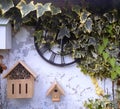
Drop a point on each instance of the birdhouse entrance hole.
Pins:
(55, 90)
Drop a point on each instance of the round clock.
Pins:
(55, 47)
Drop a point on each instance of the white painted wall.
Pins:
(77, 86)
(5, 36)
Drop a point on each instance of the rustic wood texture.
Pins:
(56, 95)
(20, 81)
(53, 87)
(19, 72)
(22, 70)
(20, 92)
(55, 91)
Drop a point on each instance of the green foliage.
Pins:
(88, 25)
(5, 5)
(25, 8)
(100, 49)
(55, 10)
(105, 56)
(41, 9)
(101, 103)
(38, 35)
(95, 39)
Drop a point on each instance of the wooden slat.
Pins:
(23, 93)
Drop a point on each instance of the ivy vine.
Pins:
(98, 41)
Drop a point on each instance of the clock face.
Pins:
(55, 47)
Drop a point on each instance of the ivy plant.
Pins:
(101, 103)
(95, 37)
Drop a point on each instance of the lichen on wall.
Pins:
(77, 86)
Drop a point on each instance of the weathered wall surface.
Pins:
(77, 86)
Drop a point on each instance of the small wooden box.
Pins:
(20, 81)
(55, 91)
(5, 34)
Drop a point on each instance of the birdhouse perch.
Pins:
(55, 91)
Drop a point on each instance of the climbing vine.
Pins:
(97, 46)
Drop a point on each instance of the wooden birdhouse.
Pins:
(55, 91)
(20, 81)
(5, 34)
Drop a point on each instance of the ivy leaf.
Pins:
(113, 75)
(25, 8)
(83, 16)
(110, 29)
(100, 49)
(117, 29)
(94, 55)
(100, 27)
(88, 25)
(76, 9)
(92, 41)
(105, 41)
(63, 32)
(55, 10)
(105, 56)
(110, 17)
(5, 5)
(41, 9)
(112, 62)
(38, 35)
(78, 54)
(117, 69)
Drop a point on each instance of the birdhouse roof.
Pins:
(4, 21)
(53, 86)
(24, 65)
